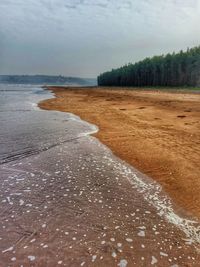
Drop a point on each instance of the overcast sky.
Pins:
(87, 37)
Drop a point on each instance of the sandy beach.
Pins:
(157, 132)
(100, 133)
(67, 200)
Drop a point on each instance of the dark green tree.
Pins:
(176, 69)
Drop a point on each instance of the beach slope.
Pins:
(158, 132)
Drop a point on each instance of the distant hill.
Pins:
(46, 79)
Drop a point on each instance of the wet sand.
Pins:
(158, 132)
(76, 204)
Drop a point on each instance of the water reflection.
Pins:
(26, 129)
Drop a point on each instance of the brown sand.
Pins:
(69, 206)
(157, 132)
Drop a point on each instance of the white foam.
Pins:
(153, 260)
(31, 258)
(123, 263)
(8, 249)
(34, 106)
(153, 194)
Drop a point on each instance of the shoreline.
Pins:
(77, 204)
(138, 129)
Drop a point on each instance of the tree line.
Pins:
(176, 69)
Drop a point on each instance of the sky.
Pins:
(87, 37)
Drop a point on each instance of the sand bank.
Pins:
(157, 132)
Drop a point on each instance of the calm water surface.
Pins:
(25, 129)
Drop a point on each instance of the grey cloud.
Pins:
(85, 37)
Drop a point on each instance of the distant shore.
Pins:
(156, 131)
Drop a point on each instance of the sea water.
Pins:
(25, 129)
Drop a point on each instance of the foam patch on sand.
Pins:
(93, 128)
(152, 191)
(153, 194)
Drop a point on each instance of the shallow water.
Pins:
(26, 129)
(66, 200)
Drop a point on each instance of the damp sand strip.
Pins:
(145, 129)
(92, 103)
